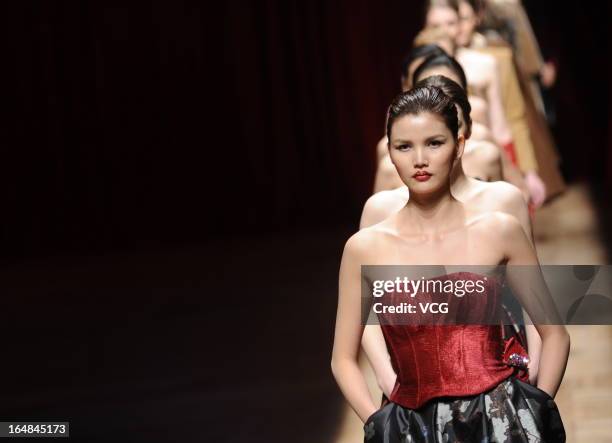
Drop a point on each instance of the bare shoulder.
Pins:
(483, 59)
(504, 197)
(488, 62)
(505, 194)
(362, 244)
(383, 199)
(386, 175)
(498, 225)
(480, 133)
(382, 148)
(382, 205)
(489, 150)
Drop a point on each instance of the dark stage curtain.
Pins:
(130, 123)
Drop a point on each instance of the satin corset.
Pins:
(436, 360)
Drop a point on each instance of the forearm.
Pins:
(375, 348)
(497, 115)
(500, 129)
(513, 176)
(555, 352)
(534, 345)
(353, 385)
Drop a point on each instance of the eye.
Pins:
(436, 143)
(403, 147)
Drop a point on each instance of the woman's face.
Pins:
(444, 18)
(423, 150)
(467, 24)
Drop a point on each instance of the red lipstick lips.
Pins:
(422, 176)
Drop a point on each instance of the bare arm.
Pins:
(533, 295)
(534, 345)
(375, 348)
(513, 175)
(348, 333)
(377, 208)
(518, 208)
(497, 115)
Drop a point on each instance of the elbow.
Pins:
(566, 343)
(567, 339)
(564, 336)
(340, 366)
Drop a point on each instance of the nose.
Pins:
(420, 158)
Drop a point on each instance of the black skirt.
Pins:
(512, 412)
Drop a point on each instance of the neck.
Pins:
(459, 180)
(429, 213)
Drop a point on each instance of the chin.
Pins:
(423, 187)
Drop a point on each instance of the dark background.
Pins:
(145, 123)
(177, 183)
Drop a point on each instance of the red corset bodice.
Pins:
(456, 360)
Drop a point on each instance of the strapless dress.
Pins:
(453, 384)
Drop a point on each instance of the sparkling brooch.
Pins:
(518, 360)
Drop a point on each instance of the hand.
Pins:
(537, 188)
(369, 416)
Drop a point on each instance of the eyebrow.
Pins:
(427, 139)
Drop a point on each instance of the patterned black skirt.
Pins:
(512, 412)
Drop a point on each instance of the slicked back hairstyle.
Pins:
(456, 93)
(425, 99)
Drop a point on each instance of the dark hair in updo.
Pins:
(422, 51)
(441, 60)
(456, 93)
(424, 99)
